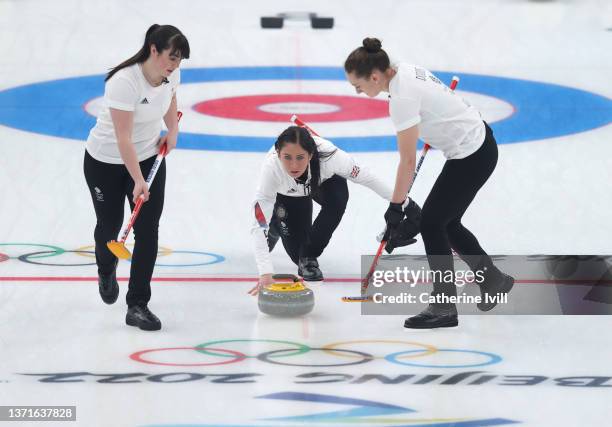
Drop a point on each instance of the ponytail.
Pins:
(162, 37)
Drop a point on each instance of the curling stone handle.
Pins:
(291, 277)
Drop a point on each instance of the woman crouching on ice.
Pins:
(298, 169)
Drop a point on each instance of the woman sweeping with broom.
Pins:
(120, 151)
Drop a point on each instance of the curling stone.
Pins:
(562, 266)
(288, 297)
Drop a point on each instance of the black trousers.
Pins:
(109, 185)
(293, 219)
(451, 195)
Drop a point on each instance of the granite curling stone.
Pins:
(287, 297)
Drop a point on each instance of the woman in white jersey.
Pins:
(298, 169)
(120, 151)
(421, 106)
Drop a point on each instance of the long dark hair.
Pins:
(162, 37)
(301, 136)
(366, 58)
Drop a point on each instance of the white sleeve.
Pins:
(345, 166)
(404, 112)
(121, 94)
(261, 212)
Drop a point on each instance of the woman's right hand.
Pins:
(140, 188)
(264, 280)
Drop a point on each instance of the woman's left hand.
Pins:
(264, 280)
(170, 140)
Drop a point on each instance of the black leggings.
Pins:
(293, 219)
(448, 200)
(109, 185)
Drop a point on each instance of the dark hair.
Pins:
(162, 37)
(367, 58)
(301, 136)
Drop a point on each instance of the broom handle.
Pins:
(160, 156)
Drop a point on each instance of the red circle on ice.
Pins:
(280, 108)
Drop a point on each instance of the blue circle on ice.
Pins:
(542, 110)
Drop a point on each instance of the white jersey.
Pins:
(128, 90)
(274, 180)
(446, 121)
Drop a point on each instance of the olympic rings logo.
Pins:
(44, 252)
(414, 356)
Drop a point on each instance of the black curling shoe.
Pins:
(141, 316)
(495, 291)
(309, 269)
(433, 317)
(108, 286)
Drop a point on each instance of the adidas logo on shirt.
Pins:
(144, 101)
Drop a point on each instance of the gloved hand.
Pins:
(393, 243)
(408, 229)
(393, 217)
